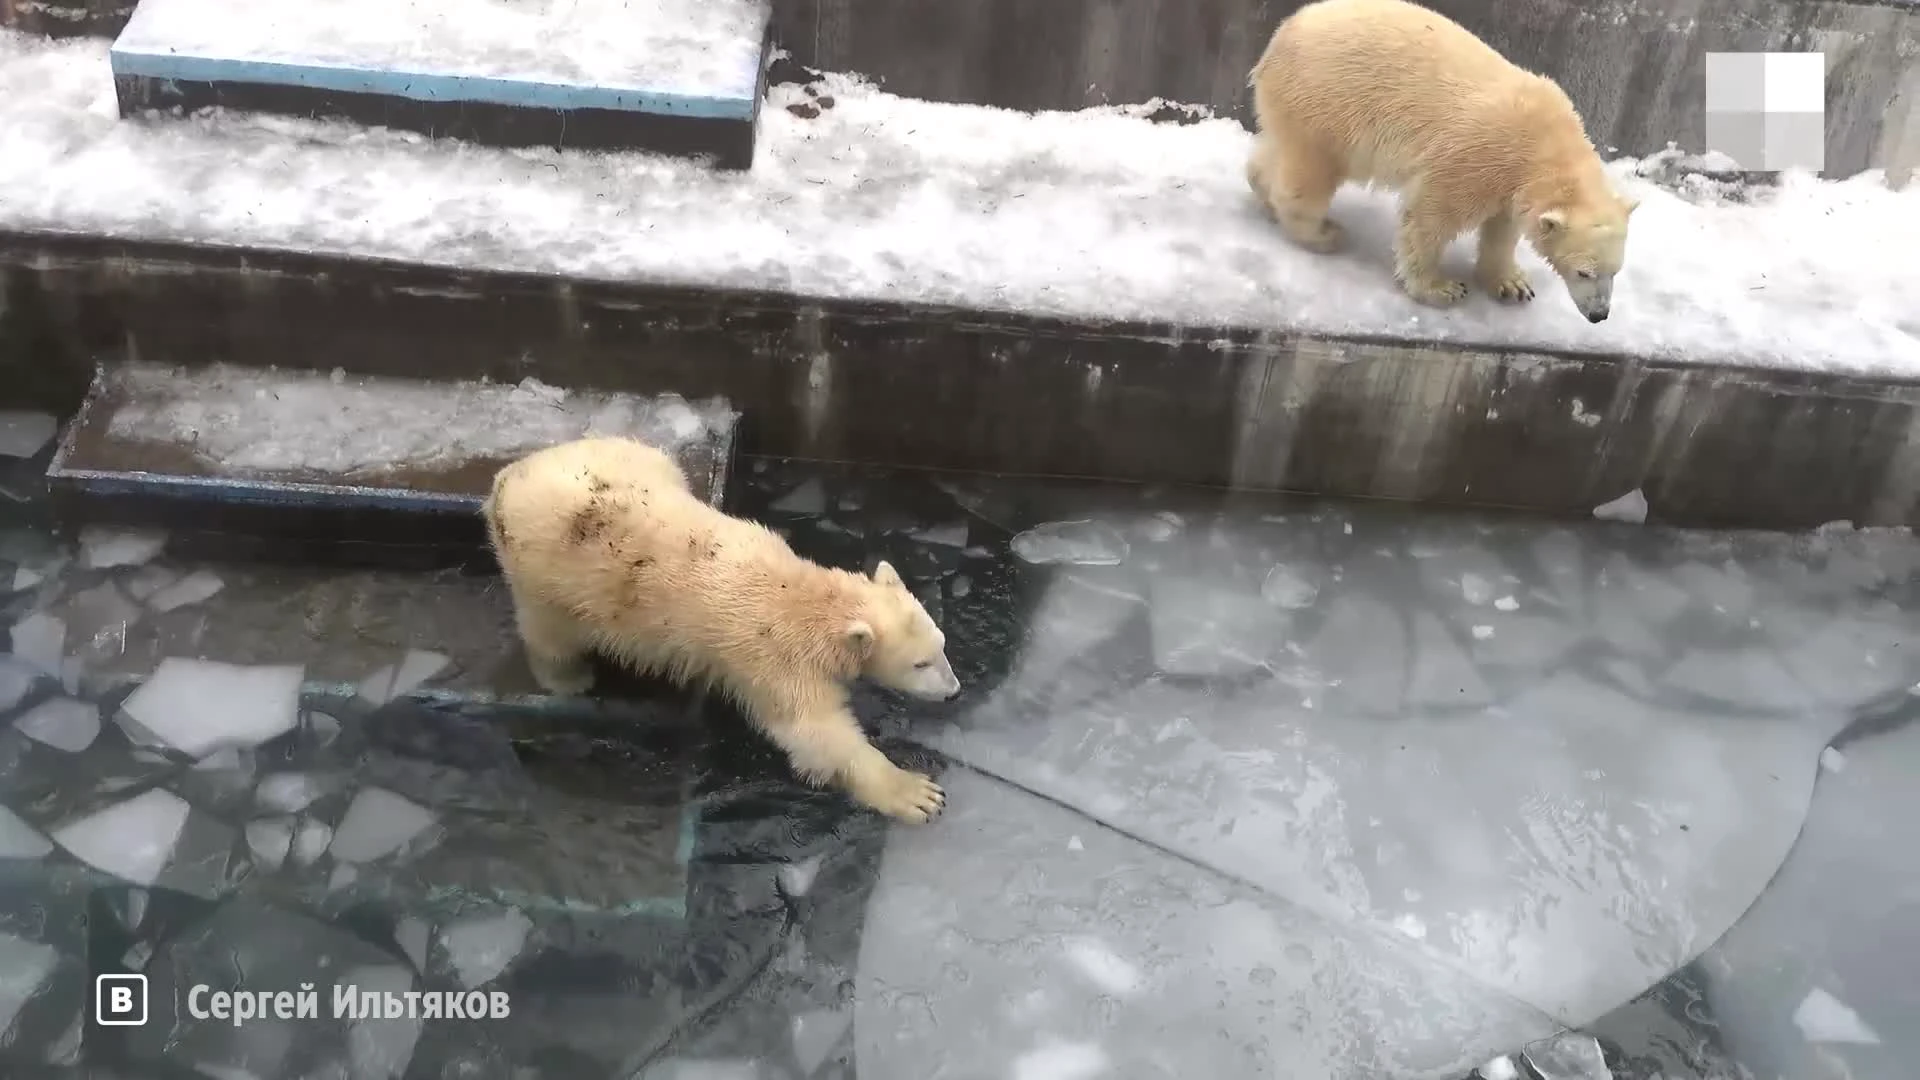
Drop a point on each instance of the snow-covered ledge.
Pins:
(856, 194)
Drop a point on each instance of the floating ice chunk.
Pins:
(289, 792)
(62, 723)
(1079, 543)
(413, 935)
(131, 840)
(797, 877)
(26, 577)
(1285, 587)
(19, 840)
(324, 727)
(1631, 508)
(311, 841)
(1506, 603)
(196, 588)
(1162, 526)
(344, 874)
(97, 620)
(148, 580)
(960, 586)
(198, 706)
(481, 948)
(1103, 967)
(270, 839)
(102, 547)
(398, 680)
(1833, 760)
(814, 1036)
(1568, 1056)
(1061, 1061)
(952, 534)
(16, 679)
(808, 499)
(1074, 843)
(680, 421)
(64, 1052)
(1482, 633)
(380, 1049)
(1823, 1018)
(377, 823)
(1500, 1068)
(41, 640)
(24, 434)
(1475, 589)
(24, 965)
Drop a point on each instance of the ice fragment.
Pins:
(807, 500)
(24, 966)
(24, 434)
(311, 841)
(62, 723)
(131, 840)
(270, 839)
(102, 547)
(19, 840)
(1823, 1018)
(289, 792)
(398, 680)
(377, 823)
(481, 948)
(198, 706)
(1285, 587)
(41, 640)
(1631, 508)
(196, 588)
(1079, 543)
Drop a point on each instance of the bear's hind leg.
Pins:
(1498, 273)
(831, 748)
(1296, 182)
(556, 647)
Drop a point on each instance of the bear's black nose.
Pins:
(1597, 316)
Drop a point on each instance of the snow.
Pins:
(481, 947)
(695, 47)
(1080, 543)
(284, 421)
(1096, 214)
(399, 680)
(62, 723)
(1630, 508)
(41, 640)
(102, 547)
(377, 823)
(199, 706)
(1823, 1018)
(19, 840)
(132, 840)
(196, 588)
(24, 434)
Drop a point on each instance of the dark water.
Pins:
(1238, 787)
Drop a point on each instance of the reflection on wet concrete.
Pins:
(1240, 786)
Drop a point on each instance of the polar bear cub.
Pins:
(604, 547)
(1390, 94)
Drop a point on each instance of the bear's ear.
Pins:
(1552, 221)
(860, 639)
(884, 574)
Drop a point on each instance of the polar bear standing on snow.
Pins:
(604, 547)
(1389, 94)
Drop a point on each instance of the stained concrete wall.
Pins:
(938, 388)
(1635, 67)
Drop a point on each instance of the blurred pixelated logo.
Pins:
(1768, 110)
(120, 1000)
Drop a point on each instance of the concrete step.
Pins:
(679, 77)
(308, 457)
(917, 284)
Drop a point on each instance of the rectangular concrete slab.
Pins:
(677, 76)
(317, 454)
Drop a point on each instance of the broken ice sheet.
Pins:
(19, 840)
(480, 948)
(24, 965)
(378, 822)
(1077, 543)
(41, 640)
(24, 434)
(196, 588)
(102, 547)
(131, 840)
(398, 680)
(198, 706)
(62, 723)
(270, 839)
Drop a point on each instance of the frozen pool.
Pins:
(1239, 787)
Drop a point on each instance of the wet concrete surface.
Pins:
(1239, 786)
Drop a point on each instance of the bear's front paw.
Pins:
(565, 678)
(1509, 286)
(911, 797)
(1436, 292)
(1322, 237)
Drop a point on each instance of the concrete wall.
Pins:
(946, 389)
(1635, 67)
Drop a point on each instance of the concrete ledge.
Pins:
(951, 389)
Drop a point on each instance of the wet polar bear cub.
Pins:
(604, 547)
(1389, 94)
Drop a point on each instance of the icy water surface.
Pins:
(1238, 787)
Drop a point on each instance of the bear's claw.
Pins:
(912, 798)
(1442, 292)
(1512, 287)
